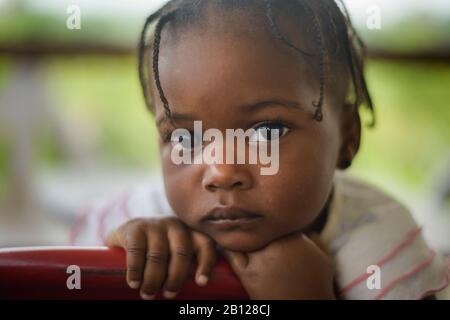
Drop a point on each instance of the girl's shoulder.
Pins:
(379, 249)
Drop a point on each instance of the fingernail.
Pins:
(202, 280)
(169, 294)
(134, 284)
(147, 296)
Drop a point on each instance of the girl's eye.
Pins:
(185, 139)
(268, 132)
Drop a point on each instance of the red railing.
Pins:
(44, 273)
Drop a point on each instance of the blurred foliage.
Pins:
(4, 69)
(412, 137)
(412, 33)
(19, 26)
(3, 167)
(103, 95)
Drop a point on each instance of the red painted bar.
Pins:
(41, 273)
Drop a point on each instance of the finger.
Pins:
(315, 238)
(155, 264)
(237, 260)
(205, 251)
(115, 239)
(135, 246)
(180, 260)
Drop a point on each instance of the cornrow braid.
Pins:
(163, 15)
(156, 48)
(340, 23)
(141, 55)
(276, 31)
(318, 115)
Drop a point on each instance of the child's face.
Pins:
(224, 81)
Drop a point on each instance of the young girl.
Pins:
(291, 70)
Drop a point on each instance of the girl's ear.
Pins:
(350, 136)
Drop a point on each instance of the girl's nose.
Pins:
(226, 177)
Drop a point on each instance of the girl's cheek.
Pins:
(302, 186)
(182, 191)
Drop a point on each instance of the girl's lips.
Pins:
(240, 224)
(231, 217)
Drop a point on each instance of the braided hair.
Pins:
(330, 23)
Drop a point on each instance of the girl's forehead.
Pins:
(207, 63)
(249, 22)
(206, 69)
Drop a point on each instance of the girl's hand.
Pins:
(159, 254)
(291, 268)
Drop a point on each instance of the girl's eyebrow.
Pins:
(272, 103)
(174, 116)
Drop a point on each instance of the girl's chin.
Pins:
(241, 242)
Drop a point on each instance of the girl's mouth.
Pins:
(226, 218)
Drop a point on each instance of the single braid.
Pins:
(318, 105)
(156, 49)
(143, 77)
(276, 31)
